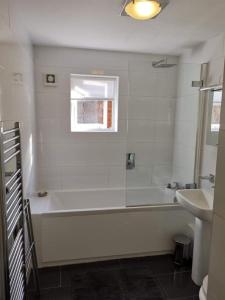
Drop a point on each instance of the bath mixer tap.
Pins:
(174, 186)
(130, 163)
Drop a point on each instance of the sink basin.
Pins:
(198, 202)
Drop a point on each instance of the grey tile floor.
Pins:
(148, 278)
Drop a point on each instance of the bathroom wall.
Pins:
(16, 85)
(212, 52)
(97, 160)
(216, 290)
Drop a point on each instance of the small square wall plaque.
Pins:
(50, 80)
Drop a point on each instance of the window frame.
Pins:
(114, 99)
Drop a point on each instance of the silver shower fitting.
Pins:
(162, 64)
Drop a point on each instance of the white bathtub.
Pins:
(101, 199)
(88, 225)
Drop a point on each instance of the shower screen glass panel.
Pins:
(162, 127)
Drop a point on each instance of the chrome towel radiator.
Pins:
(14, 210)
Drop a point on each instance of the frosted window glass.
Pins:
(92, 88)
(94, 103)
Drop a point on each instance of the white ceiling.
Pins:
(97, 24)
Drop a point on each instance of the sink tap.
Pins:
(174, 186)
(210, 178)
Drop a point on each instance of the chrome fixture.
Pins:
(174, 186)
(130, 164)
(210, 178)
(203, 88)
(162, 64)
(143, 9)
(196, 83)
(217, 87)
(16, 256)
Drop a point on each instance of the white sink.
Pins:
(198, 202)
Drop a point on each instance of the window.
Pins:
(94, 103)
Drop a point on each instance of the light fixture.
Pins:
(143, 9)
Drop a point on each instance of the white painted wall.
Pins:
(97, 160)
(17, 99)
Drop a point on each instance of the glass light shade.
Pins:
(143, 9)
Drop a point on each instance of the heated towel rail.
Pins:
(15, 254)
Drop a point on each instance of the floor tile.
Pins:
(70, 274)
(73, 271)
(164, 264)
(135, 263)
(104, 293)
(142, 278)
(98, 285)
(52, 294)
(49, 277)
(178, 285)
(140, 284)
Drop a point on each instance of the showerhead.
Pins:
(162, 64)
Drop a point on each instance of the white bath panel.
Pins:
(67, 237)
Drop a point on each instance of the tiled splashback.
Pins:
(97, 160)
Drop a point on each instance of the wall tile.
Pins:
(152, 84)
(141, 108)
(81, 177)
(141, 130)
(49, 178)
(117, 176)
(161, 175)
(146, 115)
(93, 153)
(164, 131)
(52, 105)
(57, 130)
(162, 152)
(59, 56)
(139, 177)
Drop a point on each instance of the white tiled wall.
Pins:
(97, 160)
(17, 98)
(211, 52)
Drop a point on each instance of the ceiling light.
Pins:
(143, 9)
